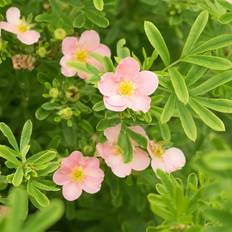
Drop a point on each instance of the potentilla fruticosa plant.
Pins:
(115, 108)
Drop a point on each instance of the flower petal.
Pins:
(174, 159)
(8, 27)
(140, 160)
(60, 177)
(65, 69)
(158, 163)
(147, 82)
(93, 184)
(107, 85)
(89, 40)
(139, 103)
(29, 37)
(128, 67)
(13, 15)
(112, 133)
(103, 50)
(71, 191)
(109, 104)
(69, 45)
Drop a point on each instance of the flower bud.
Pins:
(66, 113)
(72, 94)
(54, 92)
(59, 33)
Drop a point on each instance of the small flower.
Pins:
(78, 173)
(128, 87)
(113, 157)
(19, 27)
(80, 49)
(169, 160)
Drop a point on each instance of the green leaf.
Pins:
(51, 167)
(98, 4)
(179, 85)
(157, 41)
(79, 66)
(195, 32)
(220, 41)
(41, 114)
(42, 157)
(18, 176)
(220, 105)
(26, 134)
(169, 109)
(211, 62)
(9, 135)
(106, 123)
(194, 74)
(138, 138)
(165, 131)
(79, 21)
(9, 154)
(97, 18)
(187, 122)
(45, 218)
(212, 83)
(208, 117)
(125, 146)
(18, 203)
(122, 51)
(39, 197)
(45, 185)
(99, 106)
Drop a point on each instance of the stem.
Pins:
(171, 65)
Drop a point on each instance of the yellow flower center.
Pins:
(157, 150)
(77, 174)
(23, 27)
(81, 55)
(117, 150)
(126, 88)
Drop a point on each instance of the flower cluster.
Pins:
(79, 173)
(127, 87)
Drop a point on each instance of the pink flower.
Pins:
(80, 49)
(79, 173)
(128, 87)
(113, 157)
(169, 160)
(19, 27)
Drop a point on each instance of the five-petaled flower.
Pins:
(19, 27)
(80, 49)
(128, 87)
(169, 160)
(113, 156)
(79, 173)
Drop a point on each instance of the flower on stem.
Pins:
(19, 27)
(128, 87)
(80, 49)
(113, 156)
(169, 160)
(78, 173)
